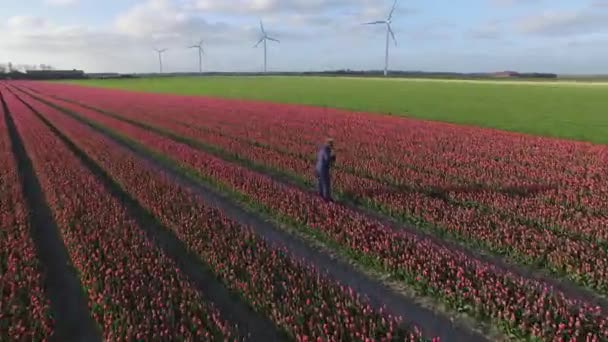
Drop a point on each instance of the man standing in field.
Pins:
(325, 160)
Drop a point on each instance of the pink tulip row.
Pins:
(572, 212)
(295, 296)
(24, 309)
(397, 145)
(144, 300)
(358, 159)
(583, 260)
(367, 159)
(381, 174)
(458, 280)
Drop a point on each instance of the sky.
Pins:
(561, 36)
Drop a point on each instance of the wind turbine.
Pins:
(160, 58)
(389, 32)
(199, 46)
(264, 39)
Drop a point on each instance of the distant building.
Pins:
(55, 74)
(506, 74)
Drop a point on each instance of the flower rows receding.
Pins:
(538, 203)
(24, 309)
(295, 296)
(134, 291)
(464, 283)
(583, 260)
(535, 202)
(524, 201)
(473, 155)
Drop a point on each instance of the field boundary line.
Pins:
(231, 306)
(68, 303)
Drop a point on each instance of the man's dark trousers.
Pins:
(324, 185)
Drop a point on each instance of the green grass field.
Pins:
(559, 109)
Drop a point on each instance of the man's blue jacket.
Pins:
(324, 160)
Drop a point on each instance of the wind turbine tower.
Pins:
(160, 58)
(265, 38)
(389, 33)
(201, 52)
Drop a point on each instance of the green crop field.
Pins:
(573, 110)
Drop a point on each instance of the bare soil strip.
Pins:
(250, 323)
(560, 283)
(68, 302)
(378, 294)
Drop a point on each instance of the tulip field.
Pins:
(493, 235)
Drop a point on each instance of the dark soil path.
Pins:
(562, 284)
(378, 294)
(250, 324)
(67, 300)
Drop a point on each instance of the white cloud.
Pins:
(125, 44)
(163, 21)
(274, 6)
(26, 23)
(564, 23)
(156, 17)
(278, 9)
(61, 2)
(511, 3)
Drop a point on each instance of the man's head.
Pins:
(329, 142)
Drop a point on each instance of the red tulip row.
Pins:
(357, 161)
(24, 309)
(394, 146)
(295, 296)
(583, 260)
(134, 291)
(460, 281)
(536, 211)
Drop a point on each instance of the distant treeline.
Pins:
(537, 75)
(44, 75)
(425, 74)
(79, 74)
(347, 73)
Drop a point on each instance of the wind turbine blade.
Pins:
(258, 43)
(274, 40)
(192, 47)
(262, 27)
(375, 22)
(390, 15)
(392, 34)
